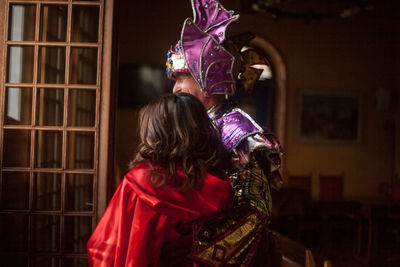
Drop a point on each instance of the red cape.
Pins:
(144, 225)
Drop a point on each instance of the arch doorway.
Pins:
(267, 104)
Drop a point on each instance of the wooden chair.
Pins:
(289, 204)
(331, 187)
(307, 222)
(310, 262)
(341, 223)
(302, 182)
(396, 191)
(298, 193)
(295, 254)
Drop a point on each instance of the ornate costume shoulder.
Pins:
(235, 125)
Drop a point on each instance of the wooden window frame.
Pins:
(105, 98)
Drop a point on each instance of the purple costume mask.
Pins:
(200, 52)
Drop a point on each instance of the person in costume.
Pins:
(206, 64)
(176, 174)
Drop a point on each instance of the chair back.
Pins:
(294, 254)
(396, 191)
(331, 187)
(301, 182)
(293, 199)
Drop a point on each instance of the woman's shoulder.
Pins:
(139, 175)
(214, 194)
(143, 165)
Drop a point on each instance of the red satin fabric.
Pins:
(142, 225)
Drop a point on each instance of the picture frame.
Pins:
(329, 117)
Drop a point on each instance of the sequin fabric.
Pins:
(232, 239)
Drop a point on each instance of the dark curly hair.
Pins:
(177, 134)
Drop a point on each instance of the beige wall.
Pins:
(355, 55)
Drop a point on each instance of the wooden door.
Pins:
(52, 120)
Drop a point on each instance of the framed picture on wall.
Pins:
(329, 117)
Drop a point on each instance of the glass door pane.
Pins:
(15, 190)
(53, 23)
(82, 108)
(50, 106)
(85, 24)
(48, 149)
(16, 148)
(83, 65)
(14, 233)
(51, 67)
(47, 191)
(20, 63)
(18, 106)
(21, 22)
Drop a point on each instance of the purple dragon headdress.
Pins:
(200, 52)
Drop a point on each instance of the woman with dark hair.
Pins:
(177, 178)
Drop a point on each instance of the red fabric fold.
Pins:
(141, 220)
